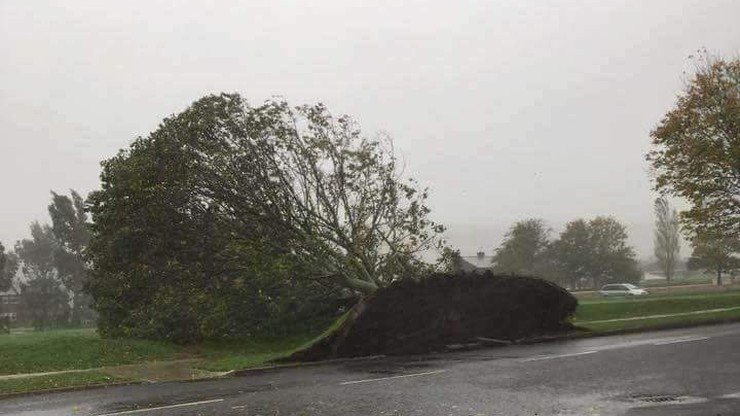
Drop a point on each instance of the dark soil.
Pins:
(412, 317)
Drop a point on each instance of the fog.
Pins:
(505, 110)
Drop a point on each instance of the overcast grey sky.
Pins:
(505, 109)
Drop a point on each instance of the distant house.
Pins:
(479, 262)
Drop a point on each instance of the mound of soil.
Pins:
(412, 317)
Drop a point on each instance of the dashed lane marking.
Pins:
(428, 373)
(680, 340)
(551, 357)
(172, 406)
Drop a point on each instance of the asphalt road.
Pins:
(681, 372)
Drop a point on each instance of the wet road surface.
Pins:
(680, 372)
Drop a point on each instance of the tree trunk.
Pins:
(329, 344)
(361, 285)
(719, 277)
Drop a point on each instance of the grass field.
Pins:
(666, 322)
(33, 352)
(619, 308)
(79, 349)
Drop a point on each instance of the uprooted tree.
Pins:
(418, 316)
(229, 220)
(334, 194)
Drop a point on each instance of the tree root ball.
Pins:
(420, 316)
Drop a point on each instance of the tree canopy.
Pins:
(592, 253)
(696, 149)
(228, 215)
(334, 194)
(714, 254)
(71, 231)
(4, 280)
(42, 292)
(524, 249)
(11, 263)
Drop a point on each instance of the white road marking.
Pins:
(550, 357)
(391, 378)
(679, 340)
(681, 400)
(172, 406)
(730, 396)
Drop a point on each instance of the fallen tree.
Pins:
(419, 316)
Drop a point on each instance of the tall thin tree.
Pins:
(71, 231)
(667, 243)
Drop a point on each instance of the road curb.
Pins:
(268, 368)
(12, 395)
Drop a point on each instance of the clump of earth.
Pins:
(425, 315)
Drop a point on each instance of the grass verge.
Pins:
(247, 353)
(617, 308)
(666, 322)
(69, 349)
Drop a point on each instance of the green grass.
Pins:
(239, 354)
(43, 351)
(59, 350)
(663, 304)
(666, 322)
(686, 278)
(615, 308)
(57, 381)
(32, 351)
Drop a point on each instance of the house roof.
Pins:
(480, 261)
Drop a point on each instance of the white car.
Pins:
(622, 289)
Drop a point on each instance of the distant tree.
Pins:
(42, 292)
(72, 234)
(714, 254)
(695, 149)
(8, 272)
(449, 261)
(4, 279)
(592, 253)
(6, 282)
(523, 249)
(667, 243)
